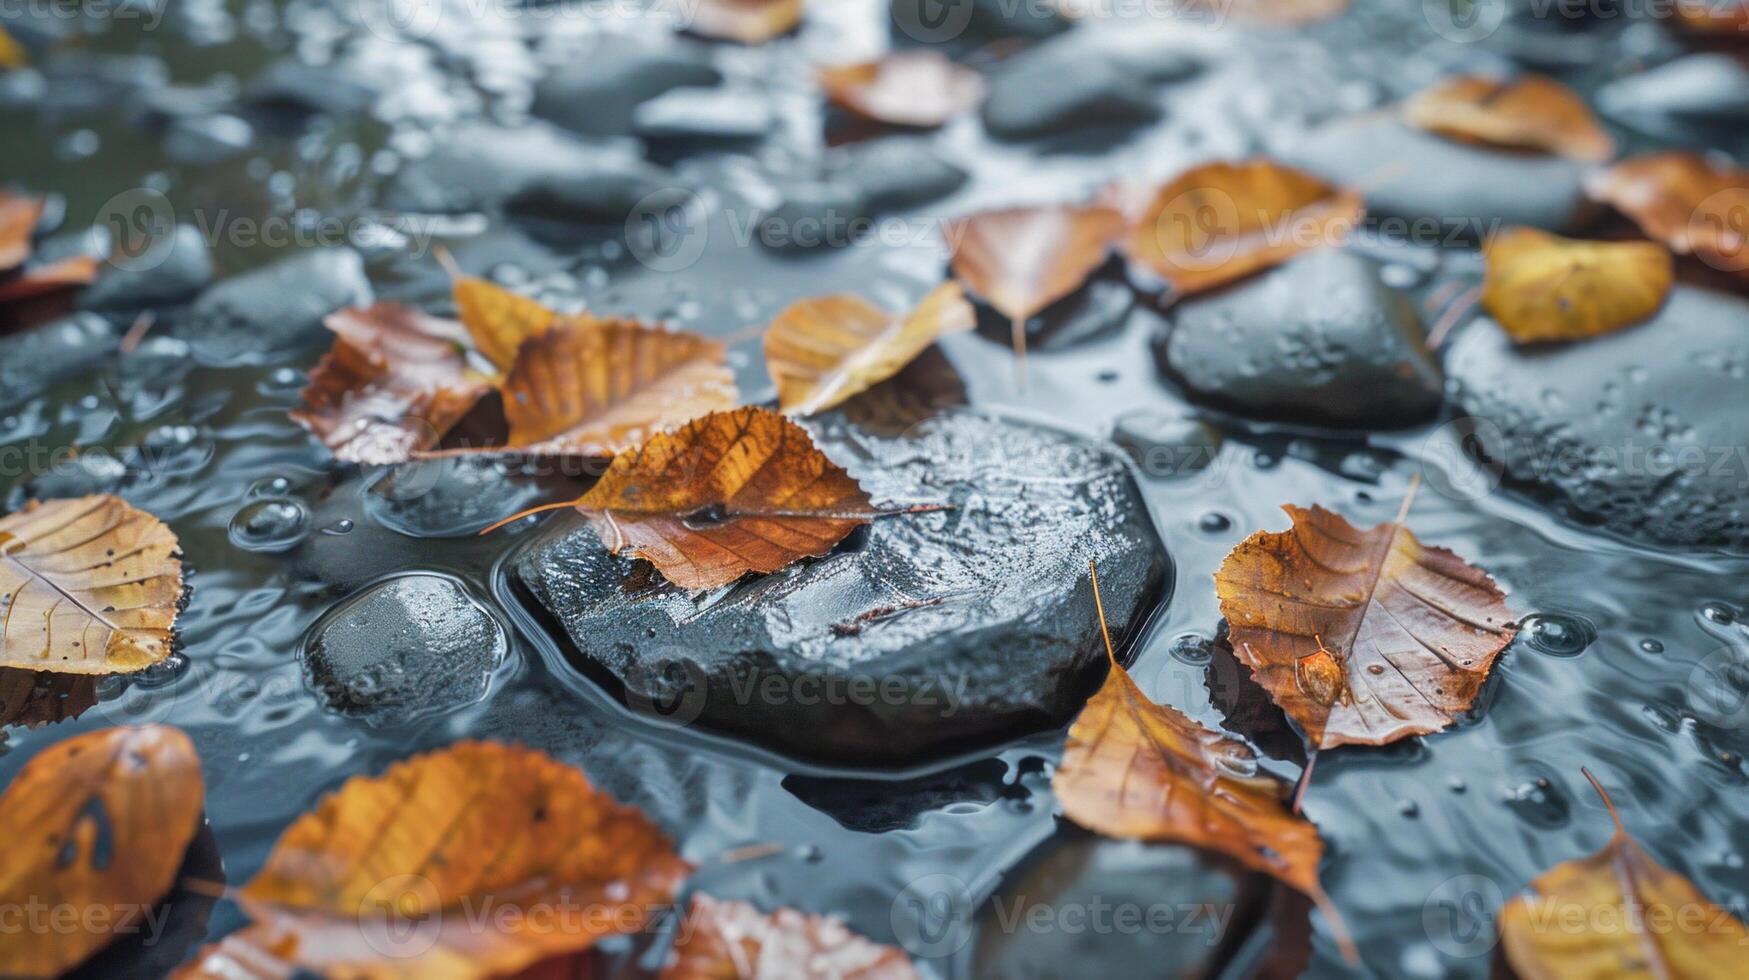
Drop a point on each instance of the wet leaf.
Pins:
(1619, 915)
(1281, 13)
(1021, 260)
(1531, 112)
(825, 350)
(498, 319)
(18, 218)
(1685, 201)
(734, 939)
(1541, 287)
(50, 277)
(467, 862)
(34, 698)
(87, 586)
(393, 383)
(920, 88)
(253, 952)
(1362, 637)
(1723, 19)
(745, 21)
(97, 823)
(11, 52)
(1219, 222)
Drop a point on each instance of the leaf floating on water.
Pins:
(393, 383)
(921, 88)
(379, 879)
(498, 319)
(18, 218)
(1531, 112)
(734, 939)
(87, 586)
(1685, 201)
(1219, 222)
(97, 823)
(1541, 287)
(745, 21)
(19, 215)
(1639, 920)
(253, 952)
(1362, 637)
(825, 350)
(11, 52)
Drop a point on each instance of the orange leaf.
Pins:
(97, 823)
(1362, 637)
(87, 586)
(394, 382)
(1684, 201)
(40, 280)
(18, 218)
(1542, 287)
(1223, 221)
(920, 88)
(1716, 18)
(498, 319)
(11, 52)
(1620, 915)
(1531, 112)
(825, 350)
(745, 21)
(733, 939)
(594, 387)
(467, 862)
(1281, 13)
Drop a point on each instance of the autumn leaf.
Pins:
(498, 319)
(97, 823)
(34, 698)
(1219, 222)
(18, 218)
(11, 52)
(19, 215)
(920, 88)
(823, 351)
(394, 382)
(1638, 919)
(253, 952)
(1138, 770)
(1362, 637)
(1685, 201)
(1531, 112)
(1541, 287)
(734, 939)
(745, 21)
(1277, 13)
(1021, 260)
(378, 880)
(87, 586)
(1714, 18)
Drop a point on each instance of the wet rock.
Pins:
(596, 91)
(1700, 87)
(1643, 430)
(276, 309)
(1062, 85)
(1447, 185)
(293, 85)
(91, 81)
(921, 634)
(411, 646)
(33, 360)
(900, 172)
(814, 214)
(170, 270)
(1319, 340)
(972, 21)
(704, 115)
(208, 140)
(1166, 445)
(1099, 309)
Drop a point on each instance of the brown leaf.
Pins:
(1725, 19)
(1223, 221)
(34, 698)
(11, 52)
(53, 277)
(1279, 13)
(1531, 112)
(18, 218)
(1620, 915)
(919, 88)
(1362, 637)
(733, 939)
(745, 21)
(97, 823)
(394, 382)
(592, 387)
(87, 586)
(825, 350)
(1541, 287)
(1685, 201)
(1022, 260)
(378, 881)
(498, 319)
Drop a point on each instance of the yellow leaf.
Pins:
(1531, 112)
(825, 350)
(1541, 287)
(498, 319)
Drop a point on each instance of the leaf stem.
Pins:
(1099, 605)
(519, 515)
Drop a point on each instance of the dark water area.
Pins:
(1619, 666)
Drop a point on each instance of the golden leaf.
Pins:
(1541, 287)
(87, 586)
(745, 21)
(734, 939)
(498, 319)
(1531, 112)
(18, 218)
(921, 88)
(11, 52)
(97, 823)
(825, 350)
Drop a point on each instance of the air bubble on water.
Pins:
(269, 525)
(1559, 634)
(1651, 646)
(1191, 648)
(341, 526)
(1214, 522)
(1719, 614)
(1538, 801)
(273, 486)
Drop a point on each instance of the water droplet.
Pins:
(342, 526)
(269, 525)
(1538, 801)
(1409, 808)
(810, 854)
(1719, 613)
(1106, 377)
(1214, 522)
(1456, 785)
(1651, 646)
(1559, 634)
(1192, 648)
(273, 486)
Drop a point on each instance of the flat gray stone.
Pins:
(170, 270)
(32, 360)
(1703, 87)
(597, 90)
(267, 312)
(1061, 86)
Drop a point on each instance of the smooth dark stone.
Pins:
(294, 85)
(920, 635)
(1318, 340)
(1700, 87)
(171, 270)
(1099, 309)
(969, 22)
(814, 214)
(1063, 85)
(596, 91)
(1644, 430)
(722, 114)
(34, 359)
(1446, 188)
(413, 645)
(275, 309)
(899, 172)
(1165, 444)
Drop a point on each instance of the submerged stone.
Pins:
(33, 360)
(1644, 430)
(1702, 87)
(900, 172)
(170, 270)
(968, 21)
(410, 646)
(1318, 340)
(596, 91)
(1062, 85)
(725, 114)
(922, 634)
(276, 309)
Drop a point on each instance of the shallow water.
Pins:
(275, 534)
